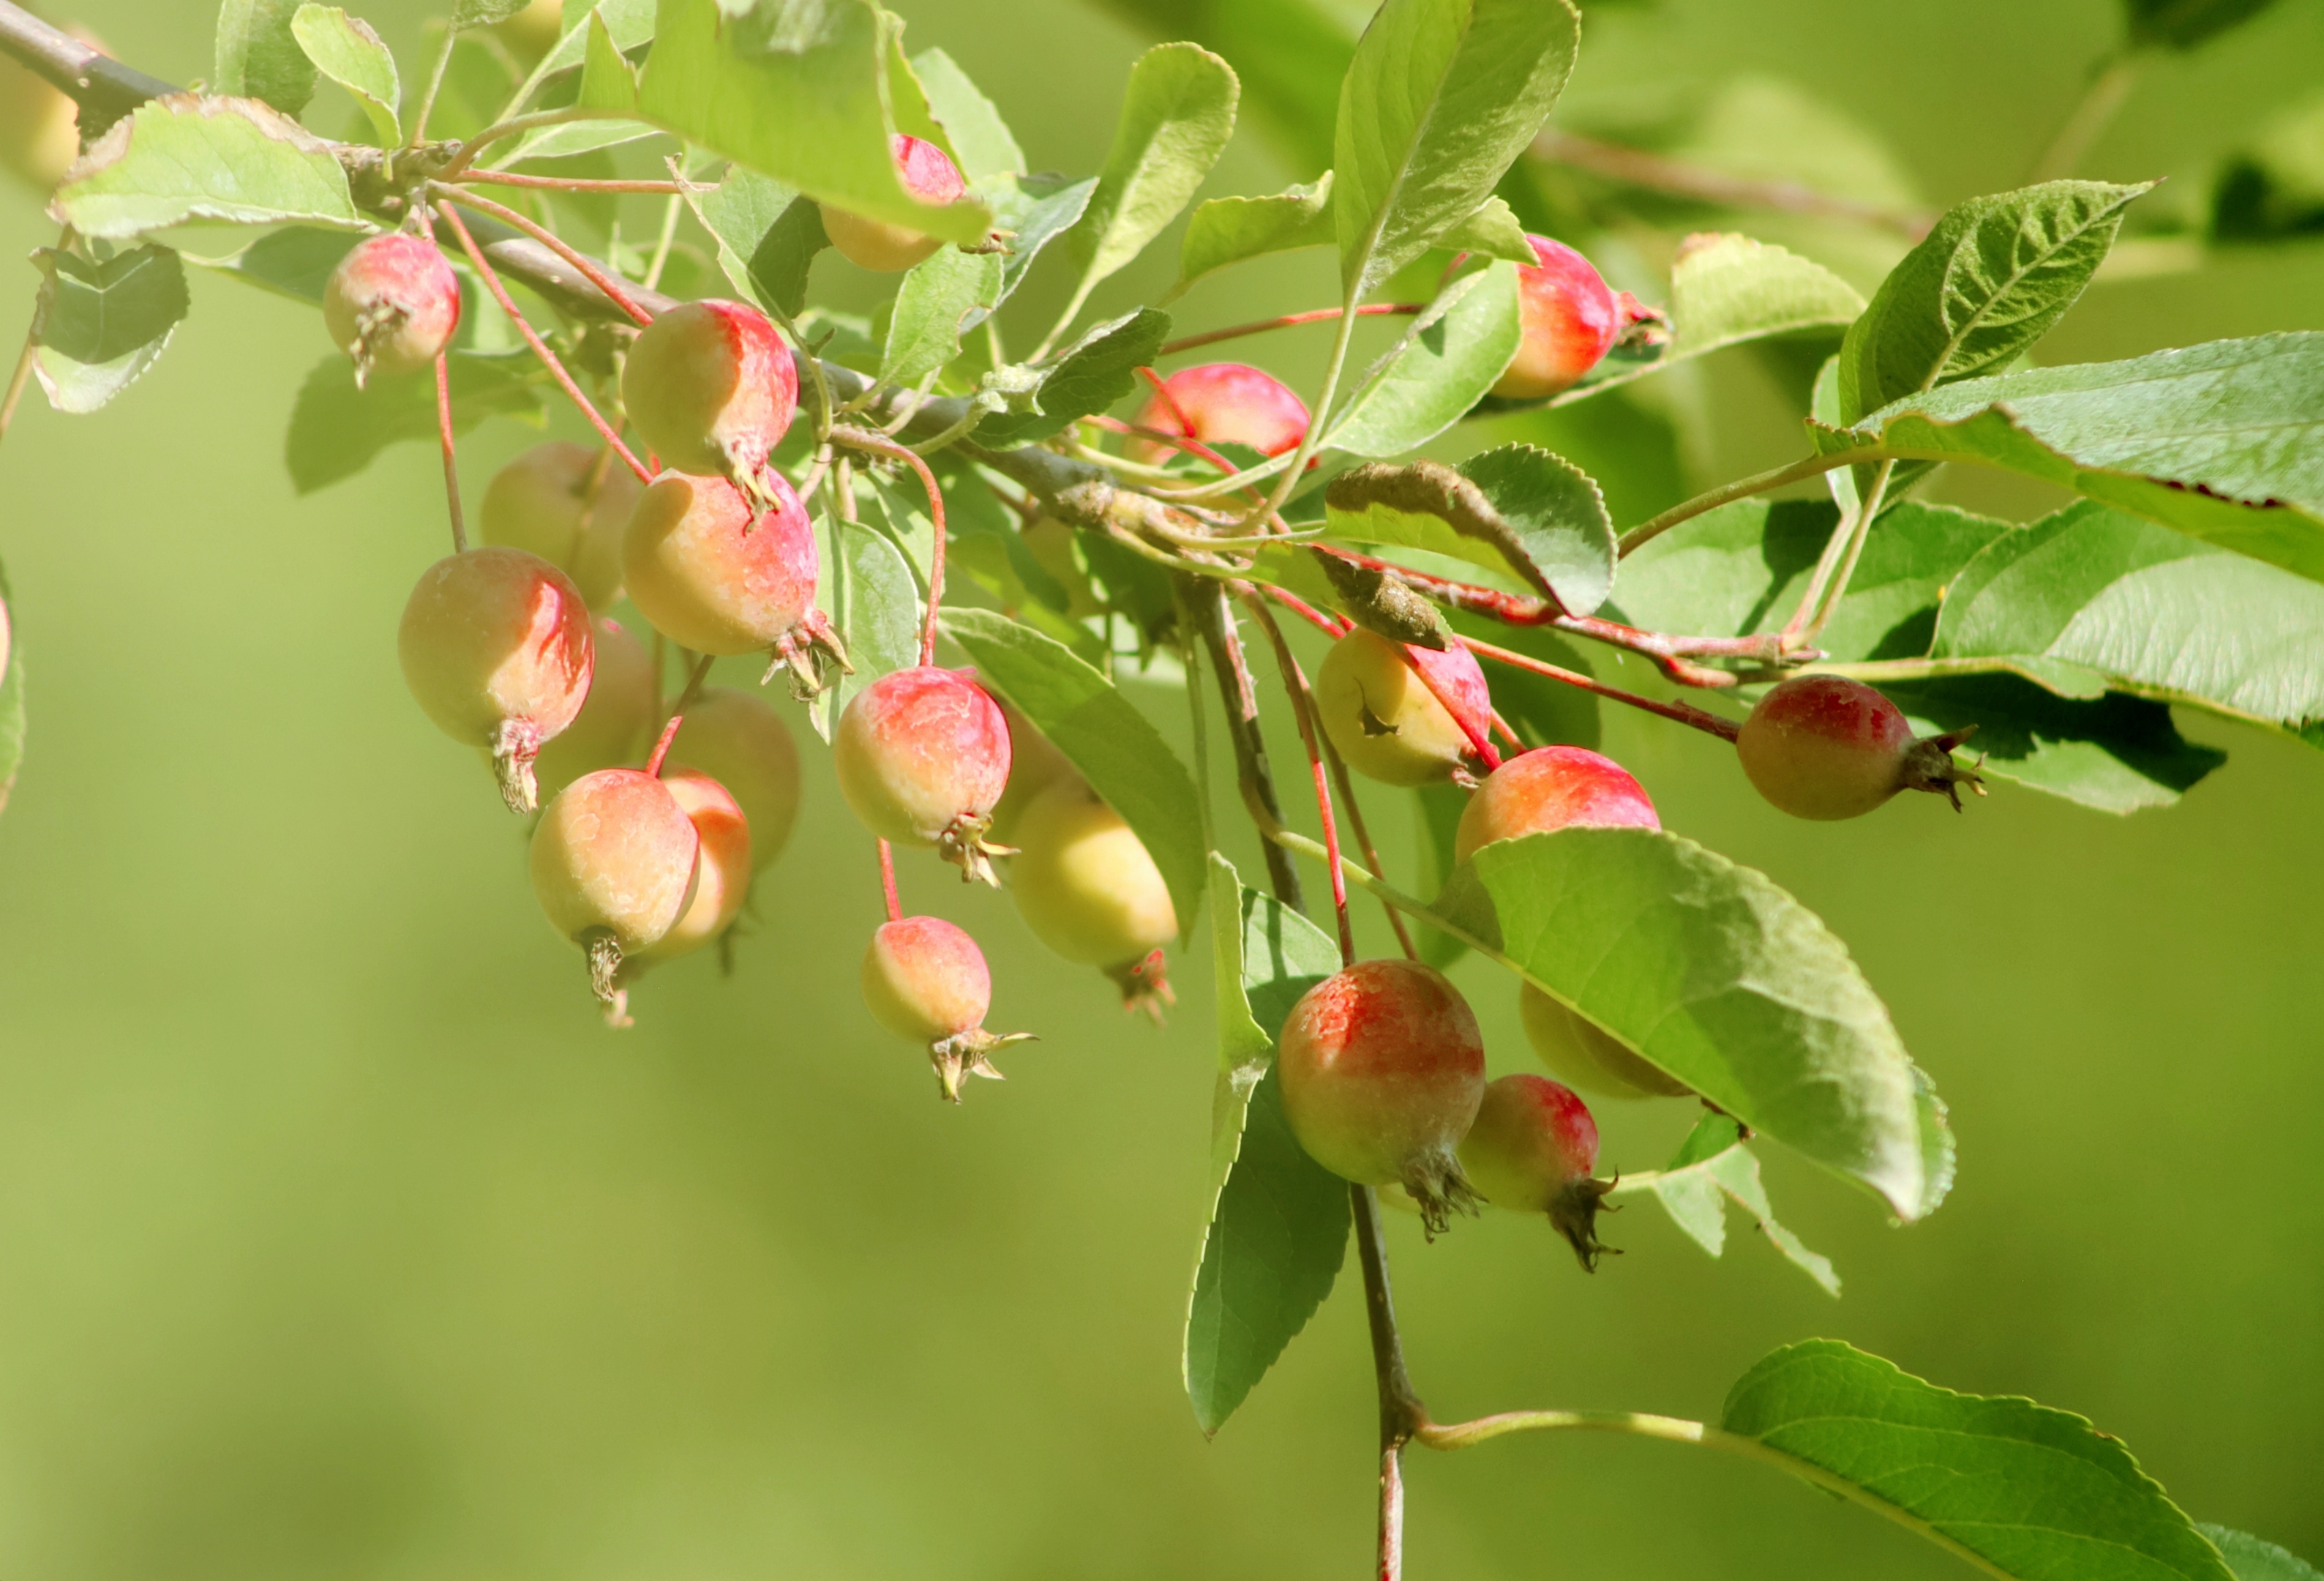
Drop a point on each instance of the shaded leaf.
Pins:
(1541, 711)
(346, 50)
(258, 57)
(1228, 230)
(190, 158)
(2182, 25)
(295, 262)
(932, 306)
(336, 429)
(1711, 1166)
(2251, 1560)
(1492, 232)
(1090, 376)
(867, 588)
(1039, 215)
(608, 81)
(470, 14)
(1176, 114)
(1437, 810)
(96, 327)
(1447, 360)
(2110, 751)
(631, 22)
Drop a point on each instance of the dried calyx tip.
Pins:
(966, 1054)
(1929, 766)
(515, 746)
(1439, 1189)
(1145, 985)
(1575, 1213)
(808, 650)
(604, 953)
(963, 846)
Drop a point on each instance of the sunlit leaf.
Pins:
(2251, 1560)
(258, 57)
(1451, 354)
(346, 50)
(1228, 230)
(982, 142)
(871, 596)
(1711, 1167)
(187, 157)
(934, 300)
(1091, 375)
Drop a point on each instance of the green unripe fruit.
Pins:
(569, 504)
(1826, 748)
(744, 745)
(1087, 887)
(614, 862)
(1383, 716)
(1035, 765)
(1581, 1054)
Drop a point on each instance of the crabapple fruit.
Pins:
(1222, 403)
(1035, 765)
(1823, 746)
(1569, 319)
(614, 719)
(496, 649)
(614, 862)
(1382, 1069)
(930, 175)
(569, 504)
(1087, 887)
(721, 881)
(39, 131)
(392, 304)
(744, 745)
(534, 29)
(927, 982)
(1531, 1151)
(711, 388)
(1383, 704)
(1551, 788)
(923, 756)
(1578, 1051)
(714, 577)
(1051, 544)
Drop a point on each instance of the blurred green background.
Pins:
(338, 1239)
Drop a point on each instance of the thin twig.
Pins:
(451, 464)
(887, 882)
(1259, 327)
(616, 292)
(1743, 488)
(1303, 711)
(16, 383)
(1214, 618)
(1683, 713)
(511, 128)
(1401, 1414)
(1807, 623)
(677, 712)
(2092, 113)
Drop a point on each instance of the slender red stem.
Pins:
(1294, 682)
(677, 713)
(1685, 713)
(570, 183)
(1316, 316)
(451, 465)
(1480, 740)
(614, 290)
(1364, 840)
(1331, 625)
(887, 881)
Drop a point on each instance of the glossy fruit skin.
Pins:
(614, 864)
(923, 756)
(925, 980)
(1382, 1069)
(714, 577)
(545, 502)
(744, 745)
(1826, 748)
(1222, 403)
(711, 388)
(610, 730)
(1375, 700)
(1532, 1150)
(722, 880)
(1571, 319)
(930, 175)
(1551, 788)
(1087, 887)
(496, 649)
(1035, 765)
(1579, 1052)
(392, 304)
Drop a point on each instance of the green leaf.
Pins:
(1979, 289)
(470, 14)
(932, 305)
(2111, 753)
(1492, 232)
(1441, 98)
(336, 429)
(631, 22)
(294, 261)
(1437, 810)
(1120, 754)
(2182, 25)
(1289, 54)
(1446, 362)
(2023, 1489)
(569, 138)
(1278, 1224)
(1228, 230)
(767, 236)
(608, 81)
(868, 590)
(1089, 376)
(982, 142)
(1038, 217)
(258, 56)
(346, 49)
(2251, 1560)
(1711, 1166)
(96, 327)
(1718, 977)
(188, 158)
(12, 697)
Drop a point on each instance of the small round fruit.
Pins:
(569, 504)
(1382, 1069)
(1051, 543)
(613, 863)
(1222, 403)
(1551, 788)
(1823, 746)
(496, 649)
(39, 131)
(930, 175)
(1570, 318)
(927, 982)
(535, 28)
(744, 745)
(722, 879)
(714, 577)
(1087, 887)
(1579, 1051)
(711, 388)
(923, 756)
(1035, 765)
(1379, 706)
(392, 304)
(611, 729)
(1531, 1151)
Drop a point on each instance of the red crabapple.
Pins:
(1551, 788)
(1380, 705)
(1035, 765)
(392, 304)
(611, 729)
(711, 388)
(744, 745)
(1087, 887)
(569, 504)
(1382, 1069)
(1222, 403)
(925, 980)
(923, 756)
(714, 579)
(1570, 317)
(496, 649)
(613, 863)
(1531, 1151)
(1824, 746)
(1577, 1050)
(721, 881)
(930, 175)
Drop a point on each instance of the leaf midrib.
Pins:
(1979, 317)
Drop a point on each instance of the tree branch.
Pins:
(105, 89)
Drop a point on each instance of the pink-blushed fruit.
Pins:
(1379, 702)
(1823, 746)
(1222, 403)
(923, 757)
(930, 175)
(1579, 1051)
(614, 862)
(1531, 1151)
(610, 729)
(722, 880)
(1571, 319)
(496, 649)
(1382, 1069)
(711, 388)
(1035, 765)
(1087, 887)
(392, 304)
(1551, 788)
(927, 982)
(744, 745)
(714, 577)
(569, 504)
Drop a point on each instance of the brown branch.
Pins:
(1401, 1413)
(1214, 616)
(105, 89)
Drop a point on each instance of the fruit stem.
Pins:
(1207, 600)
(1330, 625)
(887, 884)
(1743, 488)
(511, 128)
(567, 184)
(451, 465)
(1685, 713)
(677, 713)
(1364, 841)
(1321, 407)
(881, 445)
(1295, 683)
(1312, 315)
(1401, 1413)
(614, 291)
(16, 383)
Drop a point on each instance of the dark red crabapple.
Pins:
(1571, 319)
(1087, 887)
(392, 304)
(569, 504)
(926, 981)
(1577, 1050)
(1222, 403)
(614, 862)
(722, 880)
(611, 729)
(1823, 746)
(744, 745)
(1551, 788)
(711, 388)
(1382, 1069)
(496, 649)
(923, 757)
(1379, 703)
(930, 175)
(1531, 1151)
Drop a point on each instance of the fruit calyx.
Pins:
(1145, 986)
(1928, 765)
(963, 844)
(965, 1054)
(808, 650)
(604, 953)
(1574, 1213)
(516, 747)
